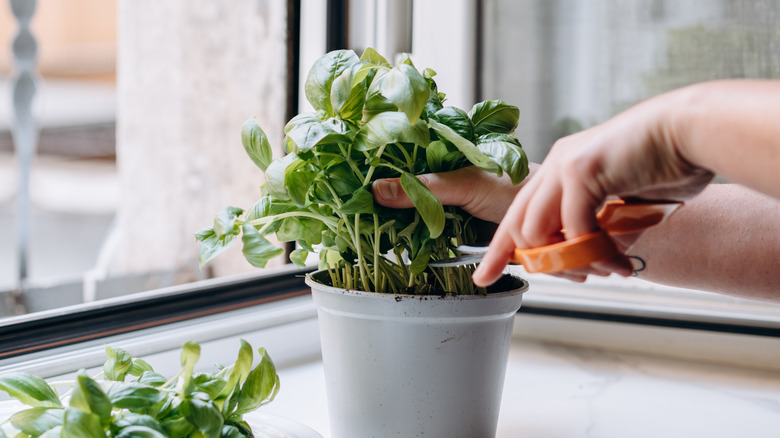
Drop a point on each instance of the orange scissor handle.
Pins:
(616, 217)
(622, 217)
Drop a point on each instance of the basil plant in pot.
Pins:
(408, 349)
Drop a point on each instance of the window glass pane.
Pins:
(138, 107)
(570, 64)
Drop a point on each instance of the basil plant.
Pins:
(372, 120)
(128, 399)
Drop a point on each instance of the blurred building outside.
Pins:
(103, 226)
(73, 187)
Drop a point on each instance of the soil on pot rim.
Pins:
(504, 284)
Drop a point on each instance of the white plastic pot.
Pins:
(411, 366)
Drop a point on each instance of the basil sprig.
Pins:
(371, 120)
(130, 400)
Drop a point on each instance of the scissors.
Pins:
(615, 218)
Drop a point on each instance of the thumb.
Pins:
(388, 192)
(452, 188)
(483, 194)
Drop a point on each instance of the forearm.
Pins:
(730, 128)
(727, 239)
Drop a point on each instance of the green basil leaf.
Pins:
(240, 369)
(322, 74)
(267, 206)
(376, 104)
(275, 176)
(139, 367)
(241, 425)
(128, 419)
(140, 432)
(165, 409)
(257, 250)
(225, 221)
(89, 397)
(152, 379)
(260, 387)
(472, 153)
(341, 177)
(29, 389)
(505, 150)
(36, 421)
(134, 396)
(256, 144)
(56, 432)
(372, 56)
(435, 99)
(429, 206)
(190, 353)
(362, 201)
(211, 245)
(390, 127)
(457, 120)
(299, 256)
(300, 228)
(203, 414)
(403, 87)
(81, 424)
(210, 385)
(348, 93)
(260, 209)
(231, 432)
(306, 117)
(298, 184)
(175, 427)
(435, 156)
(311, 132)
(118, 364)
(420, 262)
(494, 116)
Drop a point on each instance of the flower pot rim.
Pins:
(311, 281)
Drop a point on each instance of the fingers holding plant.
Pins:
(482, 194)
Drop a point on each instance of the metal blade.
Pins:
(465, 259)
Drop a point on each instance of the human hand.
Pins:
(634, 154)
(482, 194)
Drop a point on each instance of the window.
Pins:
(150, 97)
(136, 116)
(133, 143)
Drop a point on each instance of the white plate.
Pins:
(263, 425)
(271, 426)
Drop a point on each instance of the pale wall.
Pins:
(189, 75)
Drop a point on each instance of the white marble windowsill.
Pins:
(557, 391)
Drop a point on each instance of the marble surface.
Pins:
(558, 391)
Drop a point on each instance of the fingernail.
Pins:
(386, 190)
(477, 278)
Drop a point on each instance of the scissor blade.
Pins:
(472, 249)
(465, 259)
(470, 255)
